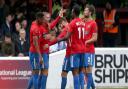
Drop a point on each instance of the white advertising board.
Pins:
(110, 69)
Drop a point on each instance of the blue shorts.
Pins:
(81, 60)
(34, 61)
(89, 59)
(75, 60)
(45, 64)
(66, 64)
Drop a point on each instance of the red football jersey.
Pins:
(68, 48)
(35, 30)
(77, 35)
(44, 41)
(46, 30)
(90, 29)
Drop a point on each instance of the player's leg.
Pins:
(89, 62)
(90, 82)
(81, 72)
(74, 60)
(39, 79)
(90, 70)
(64, 79)
(75, 73)
(34, 61)
(44, 74)
(65, 69)
(81, 78)
(30, 83)
(44, 71)
(35, 78)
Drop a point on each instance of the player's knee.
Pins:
(75, 72)
(85, 71)
(35, 72)
(64, 74)
(44, 72)
(82, 70)
(89, 69)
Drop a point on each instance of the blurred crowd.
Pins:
(16, 17)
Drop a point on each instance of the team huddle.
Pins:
(79, 34)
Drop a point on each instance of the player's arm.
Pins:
(51, 38)
(35, 42)
(69, 30)
(93, 39)
(94, 35)
(54, 22)
(66, 36)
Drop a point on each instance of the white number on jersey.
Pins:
(81, 31)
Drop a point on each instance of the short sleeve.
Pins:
(94, 27)
(35, 31)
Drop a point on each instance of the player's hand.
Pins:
(41, 62)
(86, 43)
(47, 36)
(52, 38)
(45, 46)
(61, 13)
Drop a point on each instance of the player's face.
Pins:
(86, 12)
(47, 17)
(63, 23)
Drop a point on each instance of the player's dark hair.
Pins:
(62, 19)
(91, 8)
(39, 15)
(76, 9)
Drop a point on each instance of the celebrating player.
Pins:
(35, 54)
(44, 28)
(45, 52)
(90, 37)
(66, 64)
(76, 32)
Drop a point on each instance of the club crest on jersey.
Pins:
(86, 32)
(88, 26)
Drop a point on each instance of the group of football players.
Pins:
(79, 34)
